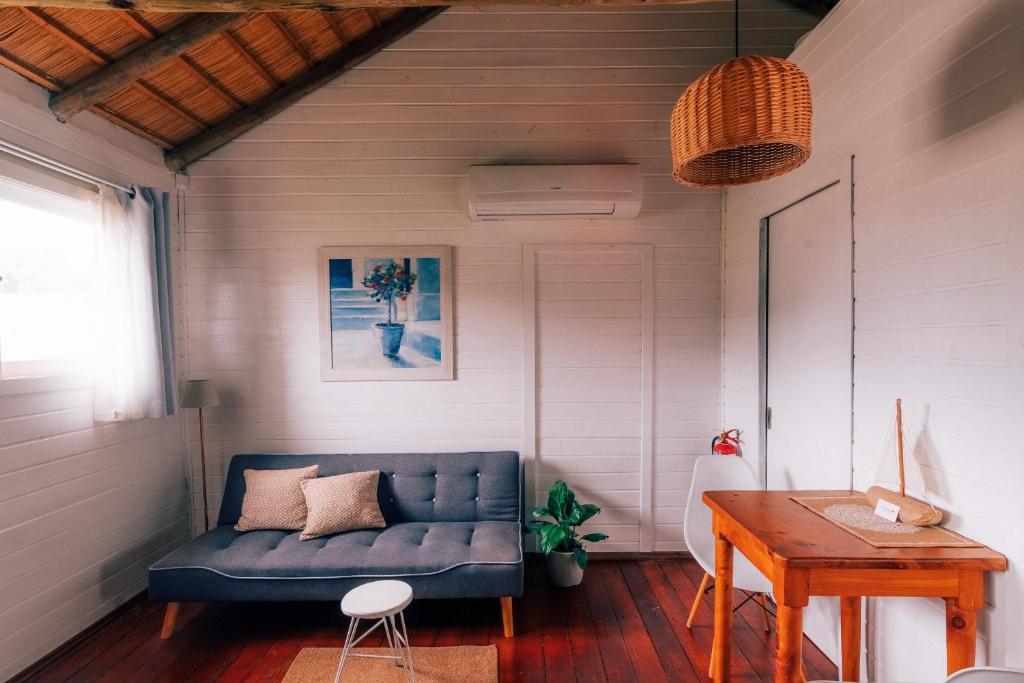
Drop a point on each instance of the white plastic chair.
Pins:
(720, 473)
(982, 674)
(987, 674)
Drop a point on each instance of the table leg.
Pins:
(789, 657)
(850, 626)
(722, 648)
(962, 621)
(961, 632)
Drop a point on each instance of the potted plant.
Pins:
(566, 554)
(390, 282)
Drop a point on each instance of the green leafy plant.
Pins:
(568, 514)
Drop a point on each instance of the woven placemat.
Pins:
(855, 515)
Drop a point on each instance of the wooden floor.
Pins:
(625, 623)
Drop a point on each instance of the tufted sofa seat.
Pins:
(453, 530)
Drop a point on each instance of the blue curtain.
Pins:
(159, 204)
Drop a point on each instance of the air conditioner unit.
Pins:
(498, 193)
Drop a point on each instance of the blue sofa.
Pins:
(454, 530)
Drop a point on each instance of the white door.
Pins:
(592, 397)
(809, 368)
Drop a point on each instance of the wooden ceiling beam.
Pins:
(286, 33)
(146, 31)
(28, 71)
(243, 52)
(70, 39)
(126, 123)
(335, 25)
(61, 33)
(161, 99)
(214, 6)
(135, 64)
(136, 22)
(341, 61)
(216, 88)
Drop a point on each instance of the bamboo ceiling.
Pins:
(185, 95)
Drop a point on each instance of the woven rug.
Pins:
(855, 515)
(462, 664)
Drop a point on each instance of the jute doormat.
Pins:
(845, 511)
(462, 664)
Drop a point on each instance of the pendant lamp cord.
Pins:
(736, 26)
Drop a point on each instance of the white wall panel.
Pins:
(928, 97)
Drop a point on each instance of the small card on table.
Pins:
(887, 510)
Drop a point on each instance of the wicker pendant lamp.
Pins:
(743, 121)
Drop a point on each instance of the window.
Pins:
(46, 264)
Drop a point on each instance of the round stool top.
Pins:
(377, 599)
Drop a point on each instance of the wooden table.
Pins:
(804, 554)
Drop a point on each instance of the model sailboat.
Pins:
(911, 510)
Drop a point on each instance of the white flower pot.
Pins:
(563, 569)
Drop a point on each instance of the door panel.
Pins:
(809, 369)
(590, 383)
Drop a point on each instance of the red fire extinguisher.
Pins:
(726, 443)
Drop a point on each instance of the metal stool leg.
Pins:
(392, 637)
(348, 646)
(404, 651)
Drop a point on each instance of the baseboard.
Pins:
(596, 556)
(30, 673)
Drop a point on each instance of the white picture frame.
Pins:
(385, 313)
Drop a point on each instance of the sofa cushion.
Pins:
(274, 499)
(405, 549)
(340, 503)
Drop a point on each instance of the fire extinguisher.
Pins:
(726, 443)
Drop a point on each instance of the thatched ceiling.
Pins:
(189, 82)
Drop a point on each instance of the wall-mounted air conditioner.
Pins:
(499, 193)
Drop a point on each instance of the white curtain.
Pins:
(129, 377)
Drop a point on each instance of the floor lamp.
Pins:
(200, 393)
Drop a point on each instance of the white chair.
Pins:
(982, 674)
(987, 674)
(720, 473)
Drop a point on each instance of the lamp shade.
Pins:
(199, 393)
(745, 120)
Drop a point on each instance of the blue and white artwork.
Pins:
(388, 315)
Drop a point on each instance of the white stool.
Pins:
(380, 600)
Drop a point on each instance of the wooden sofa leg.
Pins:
(170, 617)
(506, 616)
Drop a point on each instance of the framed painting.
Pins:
(385, 313)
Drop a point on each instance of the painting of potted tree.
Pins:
(385, 313)
(389, 283)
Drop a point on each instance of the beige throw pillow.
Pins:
(273, 499)
(341, 503)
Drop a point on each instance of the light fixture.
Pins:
(200, 393)
(743, 121)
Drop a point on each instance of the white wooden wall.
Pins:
(84, 509)
(381, 157)
(928, 95)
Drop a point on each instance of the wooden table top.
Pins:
(799, 538)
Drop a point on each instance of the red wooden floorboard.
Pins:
(558, 664)
(696, 642)
(612, 647)
(627, 622)
(529, 652)
(677, 665)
